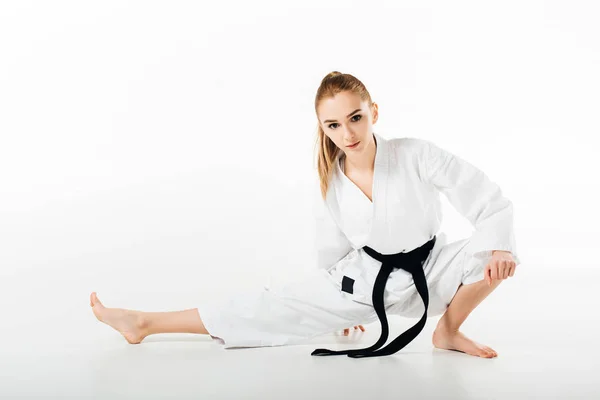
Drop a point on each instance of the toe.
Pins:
(483, 352)
(95, 300)
(491, 351)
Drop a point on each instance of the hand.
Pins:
(347, 330)
(501, 266)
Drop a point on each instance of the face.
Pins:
(347, 120)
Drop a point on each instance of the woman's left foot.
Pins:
(129, 323)
(457, 341)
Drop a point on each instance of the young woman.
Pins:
(376, 194)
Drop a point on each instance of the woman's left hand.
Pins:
(501, 266)
(347, 330)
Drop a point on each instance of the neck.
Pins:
(363, 162)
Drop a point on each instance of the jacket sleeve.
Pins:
(476, 197)
(330, 242)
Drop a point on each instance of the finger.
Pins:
(494, 271)
(346, 332)
(362, 328)
(486, 274)
(500, 270)
(506, 270)
(512, 270)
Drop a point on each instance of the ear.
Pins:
(375, 112)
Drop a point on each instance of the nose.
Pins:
(349, 135)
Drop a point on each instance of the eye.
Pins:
(357, 115)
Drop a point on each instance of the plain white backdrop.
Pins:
(162, 153)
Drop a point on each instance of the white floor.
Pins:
(545, 329)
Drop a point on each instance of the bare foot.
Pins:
(128, 323)
(457, 341)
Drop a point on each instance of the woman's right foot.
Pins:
(457, 341)
(128, 323)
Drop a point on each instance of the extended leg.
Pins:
(186, 321)
(447, 334)
(136, 325)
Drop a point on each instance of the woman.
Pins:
(375, 193)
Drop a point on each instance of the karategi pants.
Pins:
(296, 312)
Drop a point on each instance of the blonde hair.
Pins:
(332, 84)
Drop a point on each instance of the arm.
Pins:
(474, 196)
(330, 242)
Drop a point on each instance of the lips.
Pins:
(354, 145)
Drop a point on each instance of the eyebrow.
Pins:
(347, 116)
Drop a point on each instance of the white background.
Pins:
(162, 153)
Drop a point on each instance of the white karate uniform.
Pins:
(405, 213)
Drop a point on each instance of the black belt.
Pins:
(411, 262)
